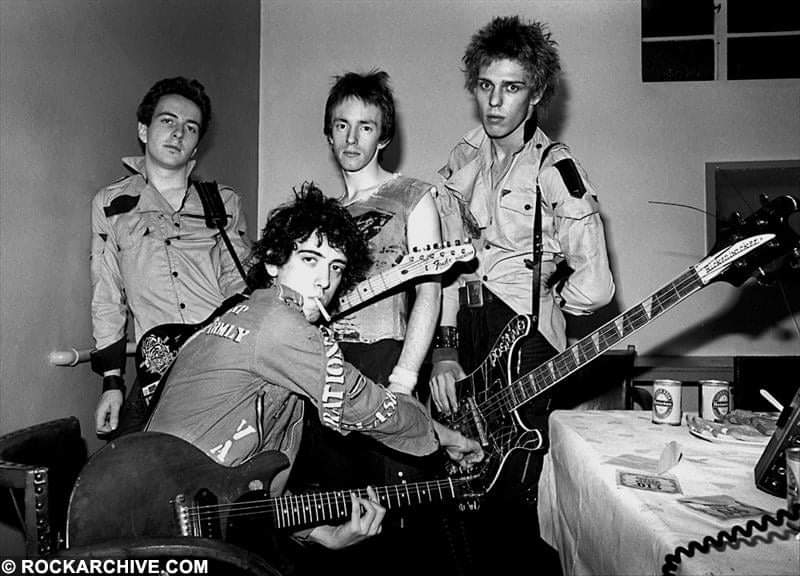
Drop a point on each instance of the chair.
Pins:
(779, 375)
(38, 466)
(606, 383)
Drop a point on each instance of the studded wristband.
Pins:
(446, 337)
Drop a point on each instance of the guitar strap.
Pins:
(535, 264)
(216, 217)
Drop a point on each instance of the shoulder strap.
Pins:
(216, 217)
(535, 264)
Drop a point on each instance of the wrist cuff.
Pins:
(113, 382)
(403, 380)
(442, 354)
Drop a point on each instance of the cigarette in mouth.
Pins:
(322, 310)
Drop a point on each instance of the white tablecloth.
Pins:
(599, 527)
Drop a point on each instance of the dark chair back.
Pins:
(38, 466)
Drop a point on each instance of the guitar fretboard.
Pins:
(590, 347)
(303, 509)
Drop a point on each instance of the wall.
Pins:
(639, 142)
(73, 72)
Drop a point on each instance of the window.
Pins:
(736, 187)
(689, 40)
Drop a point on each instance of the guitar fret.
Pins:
(634, 319)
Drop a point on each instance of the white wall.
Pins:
(71, 75)
(639, 142)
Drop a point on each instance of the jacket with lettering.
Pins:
(236, 387)
(163, 265)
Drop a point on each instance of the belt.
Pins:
(474, 295)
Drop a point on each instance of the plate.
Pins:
(725, 433)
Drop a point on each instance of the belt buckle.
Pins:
(474, 292)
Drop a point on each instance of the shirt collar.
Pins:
(149, 197)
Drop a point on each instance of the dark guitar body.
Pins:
(126, 489)
(485, 413)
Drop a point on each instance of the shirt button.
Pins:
(485, 278)
(177, 224)
(539, 145)
(527, 206)
(175, 274)
(183, 306)
(167, 242)
(488, 246)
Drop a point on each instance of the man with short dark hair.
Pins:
(153, 255)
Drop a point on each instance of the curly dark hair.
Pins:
(189, 89)
(509, 38)
(372, 88)
(290, 224)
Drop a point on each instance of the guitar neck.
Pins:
(311, 508)
(587, 349)
(383, 282)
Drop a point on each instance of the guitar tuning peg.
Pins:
(415, 249)
(457, 242)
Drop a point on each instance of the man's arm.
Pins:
(423, 230)
(230, 280)
(109, 314)
(581, 237)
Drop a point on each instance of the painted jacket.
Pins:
(501, 222)
(236, 387)
(163, 265)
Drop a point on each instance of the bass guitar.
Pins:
(489, 398)
(159, 346)
(152, 485)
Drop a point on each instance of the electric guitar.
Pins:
(489, 397)
(154, 485)
(159, 346)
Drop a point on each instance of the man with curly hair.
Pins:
(501, 178)
(237, 387)
(153, 255)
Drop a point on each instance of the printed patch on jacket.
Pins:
(121, 205)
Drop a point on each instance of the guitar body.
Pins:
(482, 415)
(126, 489)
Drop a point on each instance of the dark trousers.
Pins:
(505, 529)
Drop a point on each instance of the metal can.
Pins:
(667, 402)
(793, 482)
(715, 399)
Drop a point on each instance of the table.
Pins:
(599, 527)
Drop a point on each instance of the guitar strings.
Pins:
(300, 504)
(498, 403)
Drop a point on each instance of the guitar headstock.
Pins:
(756, 246)
(440, 258)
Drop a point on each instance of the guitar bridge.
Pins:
(181, 511)
(478, 421)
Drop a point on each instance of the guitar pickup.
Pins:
(477, 419)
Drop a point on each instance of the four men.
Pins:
(238, 387)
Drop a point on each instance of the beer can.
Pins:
(715, 399)
(667, 402)
(793, 482)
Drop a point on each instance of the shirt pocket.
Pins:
(516, 215)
